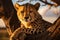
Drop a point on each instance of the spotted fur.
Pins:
(30, 19)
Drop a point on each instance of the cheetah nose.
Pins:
(26, 17)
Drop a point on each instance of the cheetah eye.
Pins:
(22, 11)
(30, 11)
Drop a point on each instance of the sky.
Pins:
(48, 14)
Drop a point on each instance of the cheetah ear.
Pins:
(16, 6)
(37, 5)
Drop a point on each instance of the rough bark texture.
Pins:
(56, 1)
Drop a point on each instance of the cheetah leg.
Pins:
(18, 34)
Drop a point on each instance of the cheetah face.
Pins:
(27, 12)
